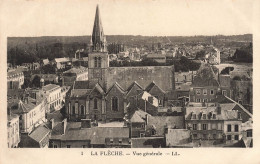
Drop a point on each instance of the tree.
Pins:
(36, 81)
(227, 70)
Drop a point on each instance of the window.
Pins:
(82, 109)
(224, 92)
(120, 141)
(205, 92)
(73, 109)
(95, 62)
(204, 116)
(55, 146)
(83, 146)
(68, 146)
(142, 135)
(205, 100)
(229, 128)
(195, 136)
(193, 116)
(212, 92)
(229, 137)
(204, 126)
(249, 133)
(95, 103)
(142, 126)
(236, 128)
(198, 91)
(114, 103)
(99, 62)
(214, 116)
(111, 141)
(240, 102)
(197, 100)
(194, 126)
(160, 102)
(236, 137)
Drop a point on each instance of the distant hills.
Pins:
(129, 40)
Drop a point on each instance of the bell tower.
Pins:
(98, 59)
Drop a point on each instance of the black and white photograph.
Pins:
(128, 74)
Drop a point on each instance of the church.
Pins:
(111, 92)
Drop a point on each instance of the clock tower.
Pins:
(98, 58)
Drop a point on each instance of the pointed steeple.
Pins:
(98, 37)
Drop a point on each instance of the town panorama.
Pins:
(129, 91)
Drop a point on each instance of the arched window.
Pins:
(95, 103)
(73, 109)
(99, 62)
(82, 109)
(114, 103)
(96, 62)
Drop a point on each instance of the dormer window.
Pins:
(204, 116)
(214, 116)
(194, 116)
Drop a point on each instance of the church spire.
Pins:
(98, 37)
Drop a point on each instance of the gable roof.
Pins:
(39, 133)
(118, 87)
(81, 85)
(152, 85)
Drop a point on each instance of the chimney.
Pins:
(239, 115)
(52, 123)
(85, 123)
(146, 119)
(64, 125)
(218, 109)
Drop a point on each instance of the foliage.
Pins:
(200, 55)
(244, 54)
(36, 81)
(227, 70)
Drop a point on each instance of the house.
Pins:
(220, 123)
(137, 123)
(148, 142)
(158, 125)
(13, 130)
(177, 137)
(160, 58)
(206, 85)
(38, 138)
(83, 135)
(15, 76)
(31, 112)
(61, 63)
(75, 74)
(53, 93)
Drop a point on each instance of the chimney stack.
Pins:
(218, 109)
(85, 123)
(52, 123)
(64, 125)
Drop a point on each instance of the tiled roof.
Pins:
(96, 135)
(76, 70)
(148, 142)
(132, 85)
(81, 85)
(39, 133)
(159, 122)
(58, 60)
(14, 72)
(119, 88)
(80, 92)
(50, 87)
(136, 118)
(151, 85)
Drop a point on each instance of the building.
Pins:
(220, 123)
(13, 130)
(53, 93)
(177, 137)
(159, 58)
(61, 63)
(207, 85)
(38, 138)
(15, 76)
(108, 90)
(75, 74)
(31, 112)
(84, 135)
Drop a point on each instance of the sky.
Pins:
(125, 17)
